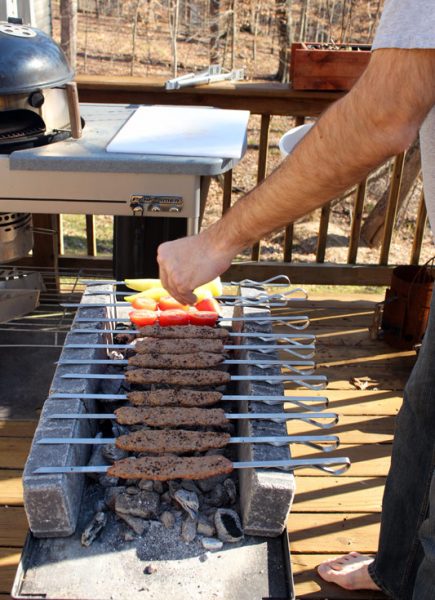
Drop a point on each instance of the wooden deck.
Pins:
(331, 514)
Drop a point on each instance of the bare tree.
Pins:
(284, 27)
(68, 30)
(214, 31)
(234, 33)
(174, 10)
(134, 35)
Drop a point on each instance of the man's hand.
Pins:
(189, 262)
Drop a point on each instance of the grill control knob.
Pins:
(174, 209)
(36, 99)
(155, 208)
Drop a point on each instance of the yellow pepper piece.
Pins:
(154, 293)
(215, 286)
(141, 285)
(202, 292)
(212, 288)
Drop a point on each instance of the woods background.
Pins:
(164, 38)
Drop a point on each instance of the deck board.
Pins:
(366, 378)
(11, 488)
(330, 515)
(357, 402)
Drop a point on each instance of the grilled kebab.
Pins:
(184, 331)
(191, 377)
(173, 397)
(163, 468)
(197, 360)
(178, 440)
(171, 417)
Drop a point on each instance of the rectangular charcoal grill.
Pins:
(60, 502)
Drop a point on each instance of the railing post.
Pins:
(91, 241)
(262, 167)
(228, 186)
(356, 222)
(419, 231)
(393, 198)
(323, 232)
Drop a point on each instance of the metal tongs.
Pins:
(212, 74)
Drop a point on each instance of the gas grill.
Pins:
(61, 501)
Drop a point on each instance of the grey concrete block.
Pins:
(52, 502)
(266, 496)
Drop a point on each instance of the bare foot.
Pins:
(349, 572)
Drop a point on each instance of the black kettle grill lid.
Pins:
(30, 59)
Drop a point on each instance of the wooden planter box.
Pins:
(317, 67)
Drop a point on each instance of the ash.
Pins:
(159, 543)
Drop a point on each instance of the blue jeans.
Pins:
(404, 567)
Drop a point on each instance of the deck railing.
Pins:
(266, 100)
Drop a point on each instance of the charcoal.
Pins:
(188, 529)
(107, 482)
(150, 569)
(190, 486)
(144, 504)
(93, 529)
(111, 453)
(111, 495)
(230, 488)
(211, 544)
(132, 490)
(168, 519)
(137, 525)
(158, 487)
(173, 486)
(204, 526)
(206, 485)
(144, 484)
(228, 526)
(97, 459)
(188, 501)
(217, 497)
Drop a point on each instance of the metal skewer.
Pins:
(285, 282)
(306, 402)
(325, 443)
(259, 347)
(333, 466)
(288, 321)
(327, 419)
(288, 337)
(290, 345)
(318, 381)
(261, 364)
(262, 299)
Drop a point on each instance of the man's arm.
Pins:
(379, 118)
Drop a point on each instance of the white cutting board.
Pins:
(183, 131)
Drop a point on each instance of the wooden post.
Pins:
(288, 243)
(356, 222)
(323, 233)
(393, 198)
(91, 241)
(419, 231)
(228, 185)
(262, 167)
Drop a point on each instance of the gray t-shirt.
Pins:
(411, 24)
